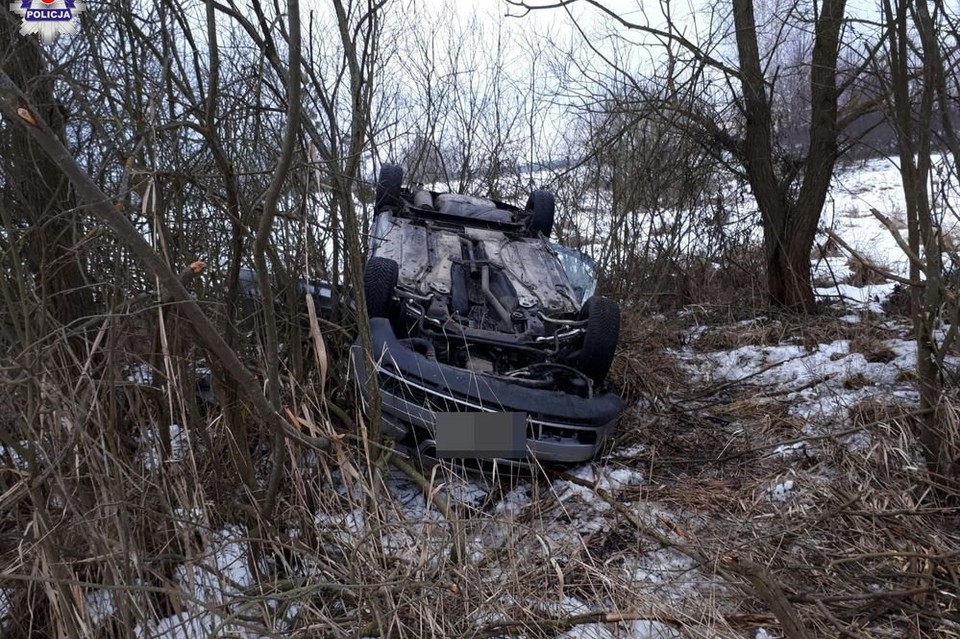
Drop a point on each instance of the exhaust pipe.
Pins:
(422, 199)
(507, 322)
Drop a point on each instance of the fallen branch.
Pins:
(713, 390)
(559, 624)
(767, 588)
(893, 277)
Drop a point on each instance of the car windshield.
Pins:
(581, 270)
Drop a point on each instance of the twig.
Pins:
(864, 596)
(187, 275)
(565, 623)
(790, 442)
(713, 390)
(845, 631)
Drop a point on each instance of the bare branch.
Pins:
(11, 99)
(691, 47)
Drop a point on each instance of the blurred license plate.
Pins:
(481, 435)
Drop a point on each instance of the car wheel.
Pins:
(542, 205)
(603, 334)
(379, 281)
(388, 186)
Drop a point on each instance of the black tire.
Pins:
(603, 334)
(388, 186)
(542, 205)
(379, 281)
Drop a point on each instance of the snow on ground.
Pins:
(780, 365)
(820, 384)
(4, 604)
(868, 298)
(874, 184)
(602, 478)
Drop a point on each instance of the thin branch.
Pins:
(14, 105)
(698, 53)
(264, 231)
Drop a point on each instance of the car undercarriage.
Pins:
(474, 309)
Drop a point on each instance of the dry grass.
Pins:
(864, 274)
(898, 302)
(682, 536)
(643, 367)
(868, 336)
(754, 333)
(873, 348)
(860, 544)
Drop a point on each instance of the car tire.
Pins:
(388, 186)
(542, 205)
(600, 343)
(379, 281)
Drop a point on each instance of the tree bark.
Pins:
(37, 191)
(912, 111)
(790, 216)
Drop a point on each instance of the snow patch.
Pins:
(152, 455)
(796, 450)
(513, 502)
(603, 478)
(782, 491)
(100, 606)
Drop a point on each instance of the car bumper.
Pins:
(561, 427)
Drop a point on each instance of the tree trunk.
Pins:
(912, 113)
(789, 215)
(37, 192)
(788, 262)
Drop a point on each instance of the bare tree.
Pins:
(789, 182)
(914, 72)
(166, 161)
(476, 99)
(659, 192)
(36, 195)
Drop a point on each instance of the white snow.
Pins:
(796, 450)
(513, 502)
(4, 605)
(782, 491)
(151, 454)
(100, 606)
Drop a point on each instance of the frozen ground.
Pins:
(794, 399)
(564, 522)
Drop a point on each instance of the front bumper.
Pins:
(561, 427)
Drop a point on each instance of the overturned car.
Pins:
(480, 323)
